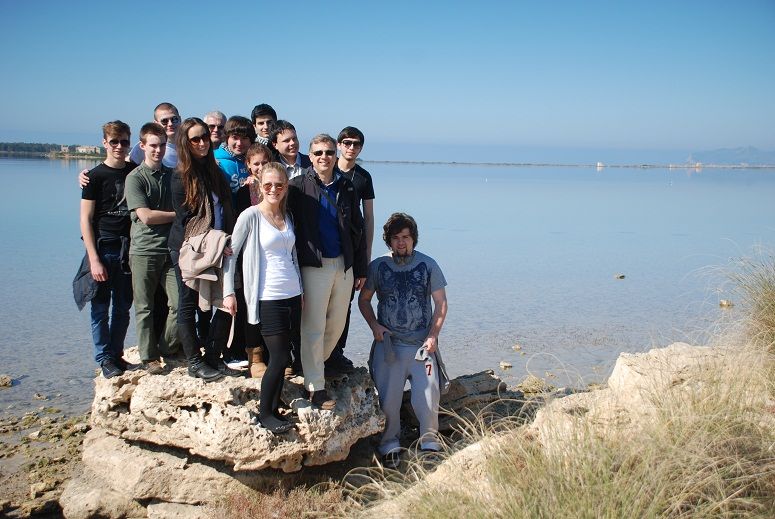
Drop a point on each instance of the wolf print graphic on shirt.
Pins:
(403, 298)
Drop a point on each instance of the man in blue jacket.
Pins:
(331, 250)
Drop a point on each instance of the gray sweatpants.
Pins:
(390, 379)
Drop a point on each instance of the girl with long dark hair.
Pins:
(202, 201)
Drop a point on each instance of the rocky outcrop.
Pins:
(215, 420)
(477, 398)
(637, 385)
(167, 445)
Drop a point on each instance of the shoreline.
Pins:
(696, 167)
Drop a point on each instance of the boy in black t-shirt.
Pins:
(350, 143)
(105, 230)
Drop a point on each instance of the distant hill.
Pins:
(745, 155)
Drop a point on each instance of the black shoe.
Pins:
(275, 426)
(110, 370)
(338, 368)
(391, 460)
(127, 366)
(321, 399)
(201, 369)
(225, 370)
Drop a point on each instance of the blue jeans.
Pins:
(109, 335)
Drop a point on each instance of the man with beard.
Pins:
(406, 334)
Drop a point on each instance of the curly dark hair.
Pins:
(396, 223)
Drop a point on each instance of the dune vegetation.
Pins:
(706, 449)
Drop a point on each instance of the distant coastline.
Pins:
(50, 155)
(57, 151)
(599, 166)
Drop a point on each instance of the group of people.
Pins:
(239, 251)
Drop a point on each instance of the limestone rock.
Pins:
(86, 496)
(177, 511)
(213, 420)
(479, 396)
(630, 398)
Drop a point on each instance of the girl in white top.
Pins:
(272, 285)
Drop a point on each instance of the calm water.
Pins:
(530, 255)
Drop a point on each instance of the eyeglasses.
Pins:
(199, 139)
(348, 143)
(278, 186)
(170, 120)
(214, 126)
(327, 153)
(115, 142)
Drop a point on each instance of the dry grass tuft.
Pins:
(318, 501)
(754, 279)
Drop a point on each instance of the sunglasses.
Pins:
(170, 120)
(422, 354)
(115, 142)
(214, 126)
(327, 153)
(347, 143)
(278, 186)
(199, 139)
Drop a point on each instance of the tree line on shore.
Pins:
(37, 147)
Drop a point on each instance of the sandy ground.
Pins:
(38, 451)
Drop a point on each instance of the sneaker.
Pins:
(109, 369)
(122, 364)
(430, 457)
(321, 400)
(237, 364)
(391, 460)
(153, 367)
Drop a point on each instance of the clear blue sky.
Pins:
(421, 79)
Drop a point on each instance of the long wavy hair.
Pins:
(199, 177)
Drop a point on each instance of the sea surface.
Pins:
(533, 257)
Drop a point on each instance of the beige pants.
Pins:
(326, 300)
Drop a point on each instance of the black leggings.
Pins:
(272, 381)
(280, 322)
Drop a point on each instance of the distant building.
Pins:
(87, 149)
(64, 148)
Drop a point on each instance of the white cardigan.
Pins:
(245, 239)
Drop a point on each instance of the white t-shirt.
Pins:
(278, 278)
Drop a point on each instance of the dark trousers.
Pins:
(187, 332)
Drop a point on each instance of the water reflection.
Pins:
(530, 255)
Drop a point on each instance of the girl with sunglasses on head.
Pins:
(202, 201)
(271, 278)
(256, 157)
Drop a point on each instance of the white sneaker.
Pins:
(237, 364)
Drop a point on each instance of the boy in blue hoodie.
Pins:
(230, 156)
(240, 134)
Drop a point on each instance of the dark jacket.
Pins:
(183, 215)
(304, 201)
